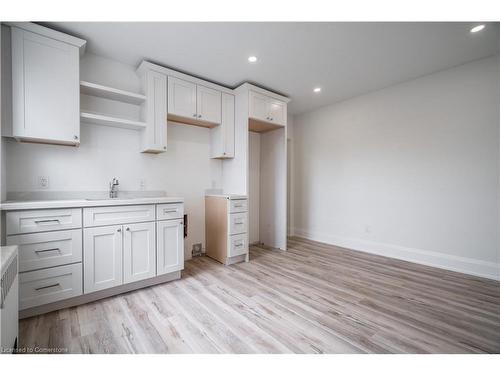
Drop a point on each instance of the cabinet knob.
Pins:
(75, 137)
(194, 115)
(199, 116)
(119, 230)
(164, 147)
(128, 229)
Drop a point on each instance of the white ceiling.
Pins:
(345, 59)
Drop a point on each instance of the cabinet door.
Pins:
(222, 137)
(45, 89)
(258, 106)
(208, 104)
(169, 246)
(228, 124)
(277, 112)
(102, 258)
(181, 98)
(155, 134)
(139, 252)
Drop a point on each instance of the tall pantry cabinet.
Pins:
(265, 114)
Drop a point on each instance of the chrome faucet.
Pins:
(113, 188)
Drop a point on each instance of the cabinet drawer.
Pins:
(238, 205)
(238, 223)
(43, 220)
(43, 250)
(238, 245)
(49, 285)
(101, 216)
(170, 211)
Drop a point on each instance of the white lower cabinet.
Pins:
(169, 246)
(102, 258)
(129, 252)
(123, 251)
(139, 252)
(49, 285)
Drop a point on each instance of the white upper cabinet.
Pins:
(45, 89)
(181, 98)
(222, 136)
(196, 104)
(259, 108)
(267, 109)
(154, 136)
(208, 104)
(277, 111)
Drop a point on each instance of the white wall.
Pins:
(185, 170)
(411, 171)
(253, 186)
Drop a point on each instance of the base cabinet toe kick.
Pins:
(77, 255)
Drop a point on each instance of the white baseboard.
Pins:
(468, 266)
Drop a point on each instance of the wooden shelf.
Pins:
(258, 126)
(89, 88)
(116, 122)
(190, 121)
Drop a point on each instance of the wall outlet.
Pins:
(142, 184)
(196, 252)
(43, 182)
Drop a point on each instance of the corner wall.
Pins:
(411, 171)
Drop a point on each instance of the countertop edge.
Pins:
(228, 196)
(82, 203)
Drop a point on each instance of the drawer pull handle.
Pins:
(238, 205)
(167, 211)
(47, 250)
(48, 286)
(238, 222)
(238, 245)
(47, 221)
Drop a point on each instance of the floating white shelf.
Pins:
(89, 88)
(116, 122)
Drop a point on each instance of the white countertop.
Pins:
(228, 196)
(82, 202)
(6, 254)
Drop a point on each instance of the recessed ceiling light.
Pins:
(252, 59)
(317, 89)
(477, 28)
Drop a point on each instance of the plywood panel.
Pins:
(261, 126)
(188, 121)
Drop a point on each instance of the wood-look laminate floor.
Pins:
(315, 298)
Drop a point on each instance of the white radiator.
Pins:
(9, 300)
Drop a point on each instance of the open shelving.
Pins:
(116, 122)
(106, 92)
